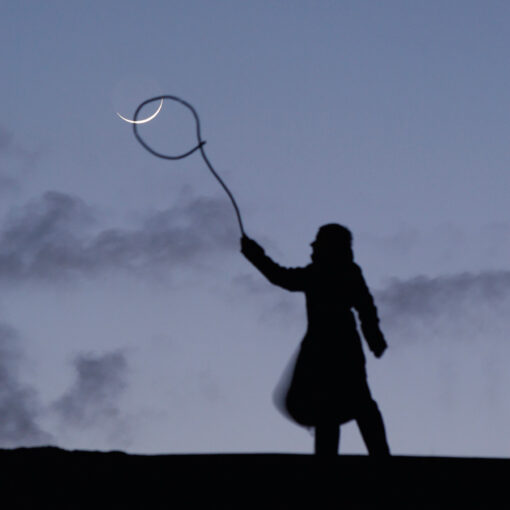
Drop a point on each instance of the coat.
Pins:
(328, 379)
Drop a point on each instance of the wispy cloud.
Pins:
(91, 403)
(52, 237)
(19, 407)
(443, 249)
(93, 398)
(467, 302)
(275, 303)
(462, 299)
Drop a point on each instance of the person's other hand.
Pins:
(379, 349)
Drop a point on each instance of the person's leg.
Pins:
(372, 430)
(327, 438)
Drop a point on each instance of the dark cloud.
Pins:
(19, 408)
(465, 298)
(447, 305)
(93, 399)
(91, 402)
(52, 238)
(43, 238)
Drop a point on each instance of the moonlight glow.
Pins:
(143, 121)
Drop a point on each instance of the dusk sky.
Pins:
(128, 317)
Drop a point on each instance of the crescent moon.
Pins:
(143, 121)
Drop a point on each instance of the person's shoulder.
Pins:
(356, 272)
(355, 268)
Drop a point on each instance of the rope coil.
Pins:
(199, 146)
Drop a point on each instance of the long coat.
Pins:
(329, 377)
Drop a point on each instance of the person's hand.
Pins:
(379, 348)
(250, 247)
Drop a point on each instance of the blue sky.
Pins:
(128, 317)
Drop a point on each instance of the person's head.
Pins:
(333, 243)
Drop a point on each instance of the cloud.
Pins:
(91, 402)
(43, 238)
(93, 399)
(447, 305)
(19, 408)
(465, 300)
(442, 249)
(275, 302)
(194, 228)
(53, 237)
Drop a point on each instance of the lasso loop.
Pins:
(199, 146)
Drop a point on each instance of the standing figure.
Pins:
(329, 382)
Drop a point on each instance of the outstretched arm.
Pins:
(290, 279)
(367, 313)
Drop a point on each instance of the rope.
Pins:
(199, 146)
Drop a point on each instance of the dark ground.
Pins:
(58, 478)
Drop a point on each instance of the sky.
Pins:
(128, 317)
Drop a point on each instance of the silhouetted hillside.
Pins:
(82, 479)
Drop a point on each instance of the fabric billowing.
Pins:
(327, 380)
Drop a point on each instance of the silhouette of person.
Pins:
(329, 385)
